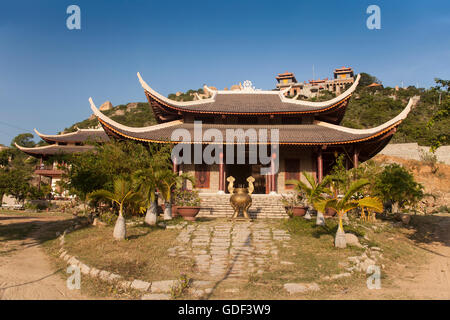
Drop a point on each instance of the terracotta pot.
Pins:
(298, 211)
(174, 210)
(329, 212)
(188, 213)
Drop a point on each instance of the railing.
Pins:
(45, 167)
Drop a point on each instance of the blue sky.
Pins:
(47, 72)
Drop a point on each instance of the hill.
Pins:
(368, 107)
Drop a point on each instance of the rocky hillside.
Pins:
(134, 114)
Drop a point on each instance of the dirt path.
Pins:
(25, 270)
(429, 281)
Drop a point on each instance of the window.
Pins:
(292, 171)
(201, 176)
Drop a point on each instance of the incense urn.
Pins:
(240, 199)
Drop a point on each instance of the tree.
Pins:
(443, 112)
(314, 192)
(24, 140)
(147, 183)
(397, 185)
(18, 184)
(122, 194)
(367, 79)
(347, 203)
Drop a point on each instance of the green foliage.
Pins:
(314, 192)
(123, 193)
(323, 95)
(170, 180)
(36, 206)
(99, 168)
(187, 96)
(350, 201)
(108, 217)
(427, 124)
(367, 79)
(18, 184)
(396, 184)
(24, 140)
(16, 170)
(140, 116)
(186, 198)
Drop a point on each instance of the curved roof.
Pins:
(243, 102)
(80, 136)
(319, 133)
(54, 149)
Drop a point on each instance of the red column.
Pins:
(221, 173)
(355, 157)
(272, 176)
(175, 165)
(319, 166)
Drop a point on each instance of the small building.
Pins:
(343, 78)
(67, 143)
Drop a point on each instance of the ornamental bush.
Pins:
(397, 185)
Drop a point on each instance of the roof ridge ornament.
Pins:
(249, 87)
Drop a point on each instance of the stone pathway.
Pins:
(230, 250)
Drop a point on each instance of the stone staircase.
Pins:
(263, 206)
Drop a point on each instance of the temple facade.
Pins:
(299, 136)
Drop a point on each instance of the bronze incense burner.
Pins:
(241, 199)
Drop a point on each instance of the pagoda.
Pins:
(304, 136)
(67, 143)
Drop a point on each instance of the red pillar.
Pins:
(221, 173)
(272, 176)
(175, 165)
(319, 166)
(355, 157)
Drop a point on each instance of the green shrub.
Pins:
(397, 185)
(108, 217)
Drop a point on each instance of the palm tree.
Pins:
(167, 180)
(147, 183)
(314, 192)
(347, 203)
(123, 193)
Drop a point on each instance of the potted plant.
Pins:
(313, 191)
(294, 204)
(187, 203)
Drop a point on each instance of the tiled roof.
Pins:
(79, 136)
(313, 134)
(54, 149)
(242, 102)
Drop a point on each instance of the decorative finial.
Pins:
(251, 187)
(231, 180)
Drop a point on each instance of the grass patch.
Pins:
(143, 255)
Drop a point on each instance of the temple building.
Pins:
(72, 142)
(301, 136)
(343, 78)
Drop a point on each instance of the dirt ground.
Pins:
(25, 270)
(428, 281)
